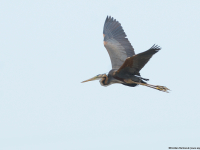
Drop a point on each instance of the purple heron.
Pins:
(126, 65)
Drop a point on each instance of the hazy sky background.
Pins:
(49, 47)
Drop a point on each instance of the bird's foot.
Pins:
(162, 88)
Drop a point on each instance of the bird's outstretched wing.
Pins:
(116, 43)
(134, 64)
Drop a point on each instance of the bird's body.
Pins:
(126, 65)
(111, 79)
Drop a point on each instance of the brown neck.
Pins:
(104, 80)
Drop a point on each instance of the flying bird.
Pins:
(126, 65)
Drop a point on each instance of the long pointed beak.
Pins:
(94, 78)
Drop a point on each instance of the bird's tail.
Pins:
(157, 87)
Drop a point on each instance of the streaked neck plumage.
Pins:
(107, 80)
(104, 80)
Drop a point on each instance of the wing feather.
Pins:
(135, 63)
(116, 43)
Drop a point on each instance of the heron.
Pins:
(126, 65)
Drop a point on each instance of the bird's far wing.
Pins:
(135, 63)
(116, 43)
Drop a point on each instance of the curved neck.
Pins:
(104, 80)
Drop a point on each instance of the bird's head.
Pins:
(102, 77)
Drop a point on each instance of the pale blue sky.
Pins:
(49, 47)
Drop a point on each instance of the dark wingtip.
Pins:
(156, 47)
(109, 18)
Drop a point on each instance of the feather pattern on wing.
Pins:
(116, 43)
(134, 64)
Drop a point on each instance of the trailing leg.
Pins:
(157, 87)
